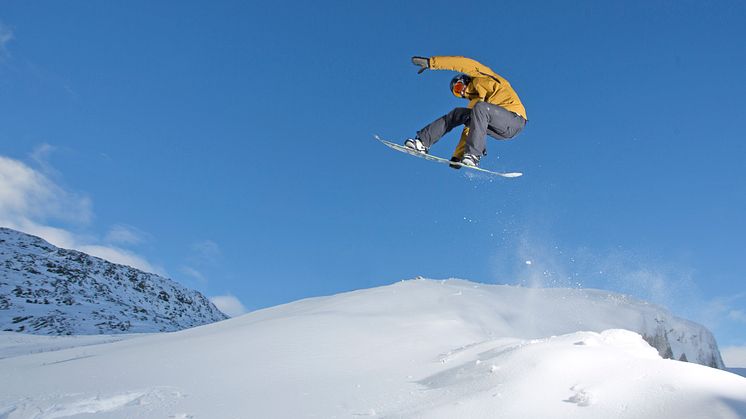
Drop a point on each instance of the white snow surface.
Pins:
(414, 349)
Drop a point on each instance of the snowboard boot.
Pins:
(470, 160)
(416, 145)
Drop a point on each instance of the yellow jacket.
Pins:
(486, 85)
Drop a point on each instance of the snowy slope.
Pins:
(15, 344)
(48, 290)
(739, 371)
(415, 349)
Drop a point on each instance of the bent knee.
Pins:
(482, 107)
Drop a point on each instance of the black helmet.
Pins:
(464, 81)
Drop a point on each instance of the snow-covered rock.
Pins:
(53, 291)
(414, 349)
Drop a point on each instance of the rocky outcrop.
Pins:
(53, 291)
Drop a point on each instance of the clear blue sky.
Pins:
(233, 142)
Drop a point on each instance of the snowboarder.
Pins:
(494, 109)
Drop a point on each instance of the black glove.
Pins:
(455, 166)
(423, 62)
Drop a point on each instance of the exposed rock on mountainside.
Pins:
(53, 291)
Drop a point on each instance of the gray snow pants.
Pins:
(484, 119)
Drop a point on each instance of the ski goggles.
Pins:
(458, 88)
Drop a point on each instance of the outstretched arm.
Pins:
(461, 64)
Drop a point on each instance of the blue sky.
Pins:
(229, 145)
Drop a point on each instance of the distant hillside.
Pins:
(52, 291)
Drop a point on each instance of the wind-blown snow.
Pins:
(415, 349)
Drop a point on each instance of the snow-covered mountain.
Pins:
(414, 349)
(48, 290)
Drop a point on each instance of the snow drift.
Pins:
(415, 349)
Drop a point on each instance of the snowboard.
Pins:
(437, 159)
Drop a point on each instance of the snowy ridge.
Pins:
(53, 291)
(530, 313)
(414, 349)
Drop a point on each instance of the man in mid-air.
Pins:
(494, 109)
